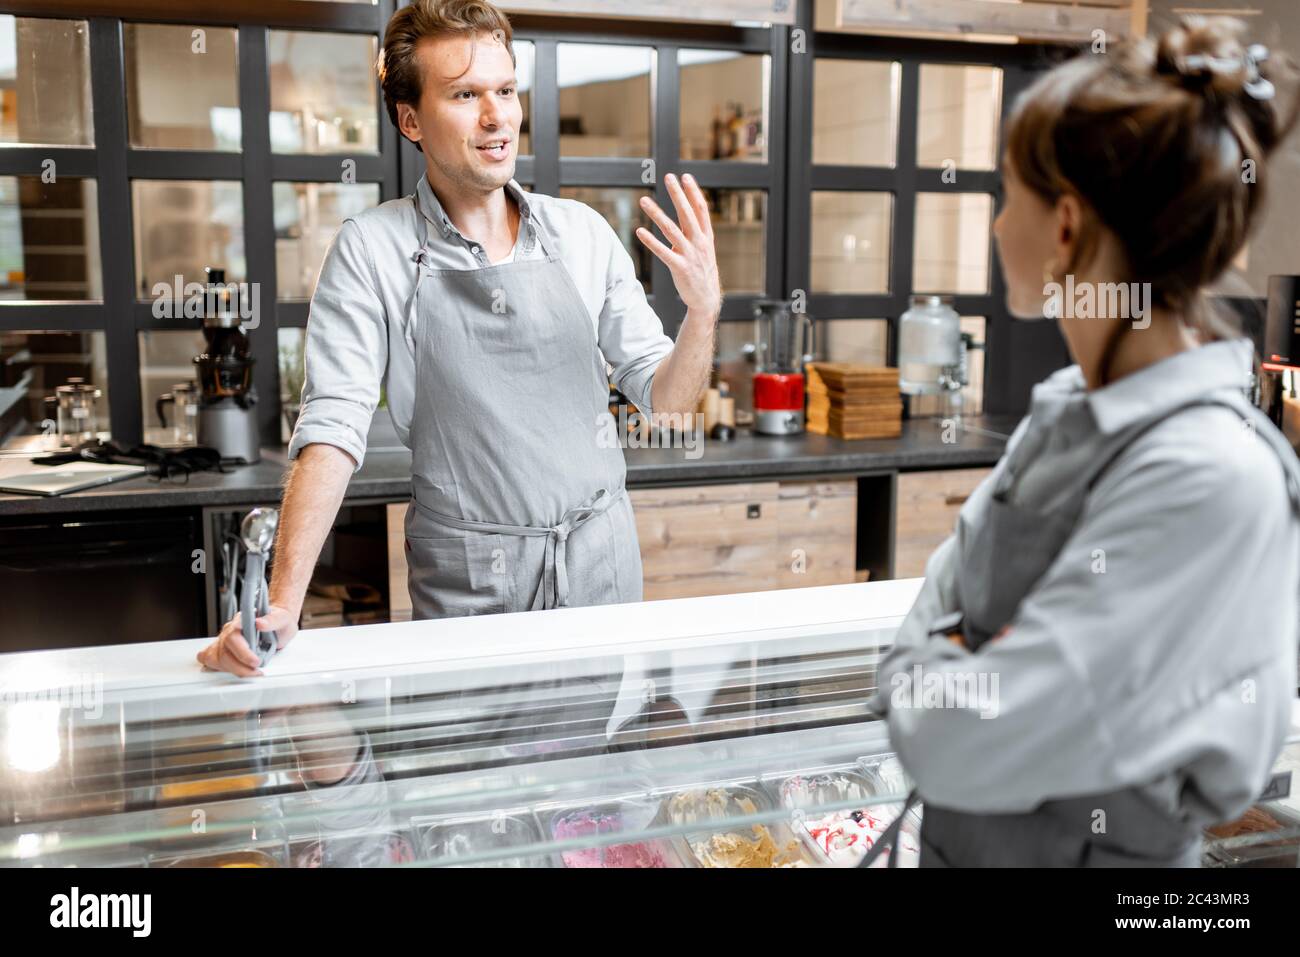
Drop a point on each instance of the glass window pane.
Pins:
(740, 236)
(735, 361)
(951, 252)
(32, 365)
(45, 82)
(604, 99)
(960, 114)
(181, 226)
(863, 341)
(622, 208)
(850, 241)
(182, 87)
(525, 74)
(307, 215)
(166, 360)
(724, 105)
(855, 112)
(290, 344)
(49, 239)
(323, 92)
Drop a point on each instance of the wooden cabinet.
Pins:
(399, 595)
(716, 539)
(926, 513)
(721, 539)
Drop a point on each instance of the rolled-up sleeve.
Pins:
(632, 337)
(346, 350)
(1125, 662)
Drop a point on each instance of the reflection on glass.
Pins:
(855, 112)
(951, 252)
(959, 117)
(45, 82)
(604, 99)
(864, 341)
(621, 208)
(740, 234)
(323, 92)
(32, 366)
(166, 360)
(181, 226)
(307, 215)
(49, 239)
(850, 241)
(724, 105)
(182, 87)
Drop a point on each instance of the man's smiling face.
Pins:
(468, 117)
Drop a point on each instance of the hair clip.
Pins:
(1257, 85)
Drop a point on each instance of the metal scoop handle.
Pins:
(252, 603)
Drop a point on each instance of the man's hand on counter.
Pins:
(230, 652)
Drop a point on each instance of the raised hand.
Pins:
(691, 258)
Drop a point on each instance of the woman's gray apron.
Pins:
(516, 504)
(999, 564)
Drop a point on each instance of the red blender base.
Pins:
(778, 403)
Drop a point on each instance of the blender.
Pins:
(228, 403)
(783, 343)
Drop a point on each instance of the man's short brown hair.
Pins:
(399, 68)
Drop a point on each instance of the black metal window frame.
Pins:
(114, 164)
(549, 172)
(1018, 353)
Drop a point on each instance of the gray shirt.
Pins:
(360, 329)
(1162, 641)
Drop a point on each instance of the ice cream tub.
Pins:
(385, 849)
(723, 845)
(887, 772)
(842, 836)
(613, 816)
(1266, 836)
(443, 838)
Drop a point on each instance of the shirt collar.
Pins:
(1165, 385)
(435, 214)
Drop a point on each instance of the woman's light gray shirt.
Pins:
(1163, 639)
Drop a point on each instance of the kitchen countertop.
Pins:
(387, 468)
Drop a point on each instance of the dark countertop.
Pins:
(386, 471)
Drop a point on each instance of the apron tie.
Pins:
(553, 589)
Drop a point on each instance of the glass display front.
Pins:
(747, 749)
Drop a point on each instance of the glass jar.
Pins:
(929, 344)
(76, 412)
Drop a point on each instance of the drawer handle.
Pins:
(955, 499)
(753, 511)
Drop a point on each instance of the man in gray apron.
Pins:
(491, 316)
(1128, 573)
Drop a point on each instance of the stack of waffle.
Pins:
(852, 401)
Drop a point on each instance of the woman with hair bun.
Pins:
(1124, 589)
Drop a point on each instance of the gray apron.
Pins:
(999, 563)
(515, 503)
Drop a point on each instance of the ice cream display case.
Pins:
(730, 731)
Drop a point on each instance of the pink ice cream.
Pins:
(585, 823)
